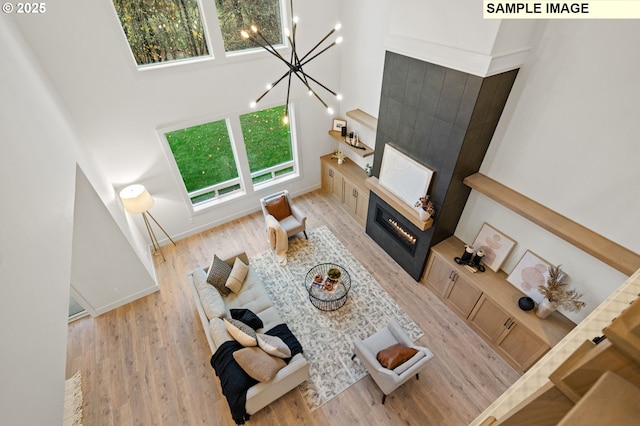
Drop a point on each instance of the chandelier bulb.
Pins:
(339, 97)
(330, 110)
(244, 34)
(286, 32)
(254, 28)
(310, 92)
(338, 26)
(295, 19)
(253, 104)
(339, 40)
(285, 119)
(269, 86)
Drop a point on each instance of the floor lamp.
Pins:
(136, 199)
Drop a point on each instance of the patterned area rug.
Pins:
(73, 401)
(327, 336)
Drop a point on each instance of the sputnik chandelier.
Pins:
(295, 63)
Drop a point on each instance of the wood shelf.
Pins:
(366, 152)
(403, 208)
(364, 118)
(603, 249)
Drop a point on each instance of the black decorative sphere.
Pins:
(526, 303)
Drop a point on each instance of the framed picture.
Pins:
(531, 272)
(495, 245)
(338, 124)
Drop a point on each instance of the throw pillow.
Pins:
(273, 346)
(248, 317)
(236, 277)
(258, 364)
(219, 271)
(409, 363)
(395, 355)
(240, 331)
(279, 208)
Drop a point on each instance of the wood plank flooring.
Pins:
(147, 363)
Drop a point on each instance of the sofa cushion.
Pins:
(253, 295)
(279, 208)
(247, 317)
(218, 332)
(219, 271)
(210, 298)
(236, 277)
(244, 334)
(395, 355)
(258, 364)
(273, 345)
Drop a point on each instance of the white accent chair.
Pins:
(389, 380)
(292, 224)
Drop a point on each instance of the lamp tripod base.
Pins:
(152, 235)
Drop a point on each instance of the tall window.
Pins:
(268, 144)
(237, 15)
(206, 160)
(205, 155)
(162, 30)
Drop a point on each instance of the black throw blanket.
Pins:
(234, 380)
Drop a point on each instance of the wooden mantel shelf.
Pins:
(401, 207)
(609, 252)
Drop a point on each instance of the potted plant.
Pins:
(557, 294)
(339, 155)
(334, 273)
(425, 207)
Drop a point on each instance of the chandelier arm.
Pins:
(272, 50)
(318, 44)
(272, 86)
(286, 112)
(317, 54)
(313, 91)
(319, 84)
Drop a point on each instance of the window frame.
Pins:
(245, 177)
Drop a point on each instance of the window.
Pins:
(268, 144)
(237, 15)
(206, 161)
(162, 30)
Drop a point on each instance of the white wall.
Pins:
(568, 139)
(37, 167)
(117, 109)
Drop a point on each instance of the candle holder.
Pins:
(466, 257)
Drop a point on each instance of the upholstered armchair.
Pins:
(283, 220)
(386, 379)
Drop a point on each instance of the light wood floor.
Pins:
(147, 363)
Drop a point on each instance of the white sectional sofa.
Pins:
(212, 308)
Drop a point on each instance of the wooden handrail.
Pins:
(609, 252)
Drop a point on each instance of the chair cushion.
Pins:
(219, 272)
(258, 364)
(240, 331)
(395, 355)
(236, 277)
(273, 345)
(279, 208)
(248, 317)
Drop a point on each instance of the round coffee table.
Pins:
(321, 298)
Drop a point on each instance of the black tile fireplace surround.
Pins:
(402, 240)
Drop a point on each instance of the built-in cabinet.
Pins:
(346, 184)
(489, 305)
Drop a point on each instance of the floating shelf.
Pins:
(367, 151)
(609, 252)
(364, 118)
(401, 207)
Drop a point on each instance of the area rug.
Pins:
(73, 401)
(327, 337)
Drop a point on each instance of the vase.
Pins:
(424, 215)
(340, 160)
(546, 308)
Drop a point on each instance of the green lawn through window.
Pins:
(204, 153)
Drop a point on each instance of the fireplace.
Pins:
(401, 239)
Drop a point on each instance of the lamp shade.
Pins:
(136, 199)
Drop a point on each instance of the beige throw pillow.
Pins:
(258, 364)
(273, 345)
(237, 276)
(240, 331)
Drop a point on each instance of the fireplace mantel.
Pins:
(401, 207)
